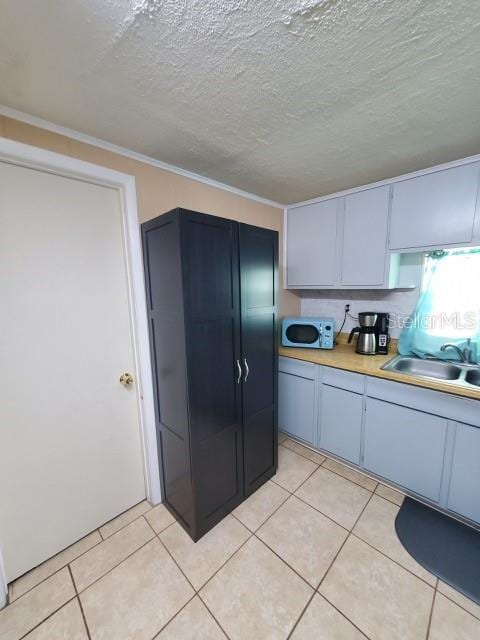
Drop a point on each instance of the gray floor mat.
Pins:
(447, 548)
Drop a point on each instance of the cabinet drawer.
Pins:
(297, 367)
(441, 404)
(405, 446)
(343, 379)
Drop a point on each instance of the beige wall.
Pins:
(159, 190)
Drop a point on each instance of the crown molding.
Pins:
(128, 153)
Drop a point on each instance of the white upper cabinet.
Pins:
(365, 237)
(356, 240)
(435, 209)
(311, 244)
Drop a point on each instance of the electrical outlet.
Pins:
(347, 308)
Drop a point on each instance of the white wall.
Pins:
(332, 303)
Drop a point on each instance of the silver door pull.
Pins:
(239, 372)
(247, 370)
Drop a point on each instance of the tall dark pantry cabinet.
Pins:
(212, 298)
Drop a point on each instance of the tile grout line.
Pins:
(115, 566)
(325, 574)
(47, 617)
(328, 570)
(343, 615)
(477, 617)
(157, 536)
(10, 603)
(125, 525)
(350, 531)
(286, 563)
(363, 473)
(321, 512)
(431, 614)
(382, 553)
(268, 517)
(301, 614)
(102, 539)
(213, 615)
(157, 633)
(320, 455)
(196, 593)
(322, 464)
(224, 563)
(315, 590)
(350, 479)
(80, 604)
(317, 467)
(316, 509)
(344, 542)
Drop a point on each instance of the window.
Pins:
(448, 309)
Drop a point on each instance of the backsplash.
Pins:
(398, 303)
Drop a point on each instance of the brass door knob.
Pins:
(126, 378)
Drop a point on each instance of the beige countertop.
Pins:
(343, 356)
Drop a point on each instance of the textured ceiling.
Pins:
(286, 99)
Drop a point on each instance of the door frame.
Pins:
(24, 155)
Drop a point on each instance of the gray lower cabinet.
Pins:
(341, 422)
(405, 446)
(296, 399)
(464, 492)
(388, 429)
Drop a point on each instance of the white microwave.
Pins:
(309, 333)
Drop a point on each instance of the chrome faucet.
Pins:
(465, 355)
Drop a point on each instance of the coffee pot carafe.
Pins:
(367, 335)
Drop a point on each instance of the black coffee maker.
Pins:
(373, 335)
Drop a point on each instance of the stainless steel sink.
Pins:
(461, 374)
(426, 368)
(473, 377)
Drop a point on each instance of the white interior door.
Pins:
(70, 442)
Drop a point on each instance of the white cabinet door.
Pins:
(435, 209)
(463, 496)
(311, 244)
(296, 406)
(405, 446)
(365, 237)
(341, 422)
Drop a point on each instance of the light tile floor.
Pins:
(312, 555)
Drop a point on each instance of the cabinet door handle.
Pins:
(239, 372)
(247, 370)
